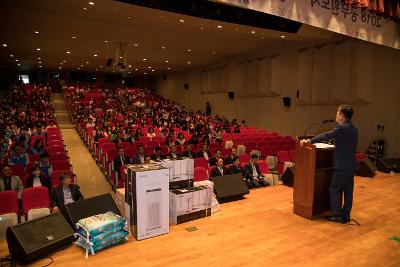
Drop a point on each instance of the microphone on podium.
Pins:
(317, 123)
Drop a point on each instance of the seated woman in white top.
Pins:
(37, 178)
(151, 133)
(180, 141)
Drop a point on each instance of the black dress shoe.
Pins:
(335, 219)
(346, 219)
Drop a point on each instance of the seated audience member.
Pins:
(151, 133)
(51, 125)
(45, 165)
(39, 131)
(90, 123)
(236, 129)
(172, 153)
(243, 124)
(23, 132)
(65, 193)
(188, 153)
(217, 135)
(229, 159)
(147, 159)
(139, 157)
(169, 141)
(219, 170)
(9, 182)
(38, 147)
(235, 168)
(204, 153)
(23, 143)
(4, 147)
(138, 134)
(252, 173)
(98, 134)
(37, 178)
(180, 140)
(206, 140)
(120, 160)
(194, 140)
(157, 156)
(19, 156)
(128, 136)
(213, 160)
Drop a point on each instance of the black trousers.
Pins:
(342, 184)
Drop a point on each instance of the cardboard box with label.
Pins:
(147, 196)
(181, 171)
(189, 204)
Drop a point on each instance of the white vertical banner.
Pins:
(332, 15)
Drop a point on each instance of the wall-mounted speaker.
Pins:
(231, 95)
(286, 101)
(186, 86)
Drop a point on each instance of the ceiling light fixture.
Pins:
(163, 47)
(61, 63)
(219, 26)
(166, 61)
(213, 52)
(201, 28)
(91, 3)
(189, 50)
(130, 66)
(87, 62)
(68, 52)
(11, 55)
(169, 68)
(144, 59)
(283, 36)
(84, 8)
(253, 32)
(38, 49)
(95, 55)
(106, 41)
(81, 65)
(40, 66)
(149, 67)
(129, 72)
(4, 45)
(40, 62)
(36, 32)
(181, 20)
(16, 60)
(129, 17)
(64, 61)
(19, 64)
(39, 58)
(135, 45)
(73, 37)
(189, 62)
(101, 67)
(79, 68)
(136, 69)
(152, 70)
(59, 68)
(145, 73)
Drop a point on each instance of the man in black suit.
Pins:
(65, 193)
(189, 153)
(204, 153)
(172, 152)
(235, 168)
(345, 135)
(229, 159)
(219, 170)
(213, 160)
(157, 156)
(139, 158)
(252, 173)
(120, 160)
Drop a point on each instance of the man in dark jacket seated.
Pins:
(229, 159)
(120, 160)
(235, 168)
(219, 170)
(157, 156)
(189, 153)
(252, 173)
(65, 193)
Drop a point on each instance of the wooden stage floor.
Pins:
(262, 230)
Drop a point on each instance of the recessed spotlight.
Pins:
(39, 58)
(201, 28)
(59, 68)
(135, 45)
(95, 55)
(166, 61)
(181, 20)
(145, 73)
(130, 66)
(106, 41)
(253, 32)
(101, 67)
(262, 37)
(169, 68)
(120, 57)
(213, 52)
(189, 50)
(219, 26)
(136, 69)
(129, 17)
(189, 62)
(91, 3)
(19, 64)
(152, 70)
(37, 32)
(68, 52)
(38, 49)
(4, 45)
(129, 72)
(40, 62)
(87, 62)
(81, 65)
(11, 55)
(16, 60)
(61, 63)
(144, 59)
(73, 37)
(149, 67)
(40, 66)
(64, 61)
(84, 8)
(163, 47)
(79, 68)
(96, 69)
(283, 36)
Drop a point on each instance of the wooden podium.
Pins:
(313, 172)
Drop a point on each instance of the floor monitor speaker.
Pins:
(229, 186)
(29, 240)
(366, 168)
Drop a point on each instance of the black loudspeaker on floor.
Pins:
(32, 239)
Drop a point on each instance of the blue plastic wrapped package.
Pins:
(97, 224)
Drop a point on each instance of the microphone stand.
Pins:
(308, 128)
(323, 123)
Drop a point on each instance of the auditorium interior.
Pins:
(178, 124)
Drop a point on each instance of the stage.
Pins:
(262, 230)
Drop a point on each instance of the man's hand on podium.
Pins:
(304, 141)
